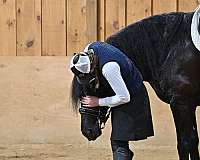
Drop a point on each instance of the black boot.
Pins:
(122, 154)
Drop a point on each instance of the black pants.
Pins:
(121, 150)
(116, 144)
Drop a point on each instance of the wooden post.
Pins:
(91, 20)
(81, 24)
(164, 6)
(115, 16)
(101, 20)
(187, 5)
(138, 9)
(54, 27)
(28, 27)
(7, 28)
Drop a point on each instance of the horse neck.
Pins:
(123, 41)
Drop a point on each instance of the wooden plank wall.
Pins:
(7, 28)
(28, 27)
(62, 27)
(53, 27)
(81, 24)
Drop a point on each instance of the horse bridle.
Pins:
(91, 79)
(101, 114)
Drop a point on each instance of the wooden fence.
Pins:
(61, 27)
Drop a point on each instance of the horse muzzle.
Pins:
(90, 128)
(93, 121)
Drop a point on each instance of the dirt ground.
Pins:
(37, 123)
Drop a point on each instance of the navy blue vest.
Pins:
(130, 74)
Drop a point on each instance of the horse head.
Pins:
(91, 118)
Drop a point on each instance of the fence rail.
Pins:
(62, 27)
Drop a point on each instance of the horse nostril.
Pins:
(90, 132)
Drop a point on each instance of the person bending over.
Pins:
(121, 83)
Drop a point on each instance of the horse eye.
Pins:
(81, 75)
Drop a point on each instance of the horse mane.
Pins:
(75, 94)
(147, 42)
(129, 41)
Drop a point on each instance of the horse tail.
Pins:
(75, 94)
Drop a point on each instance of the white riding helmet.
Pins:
(80, 63)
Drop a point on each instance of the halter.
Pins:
(102, 114)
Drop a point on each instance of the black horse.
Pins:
(162, 49)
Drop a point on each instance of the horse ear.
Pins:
(74, 54)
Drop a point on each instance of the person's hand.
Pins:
(90, 101)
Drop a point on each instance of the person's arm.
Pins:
(111, 71)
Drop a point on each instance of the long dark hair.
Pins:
(76, 94)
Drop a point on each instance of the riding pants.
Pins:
(121, 150)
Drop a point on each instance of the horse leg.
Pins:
(186, 135)
(194, 153)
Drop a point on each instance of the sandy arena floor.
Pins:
(36, 122)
